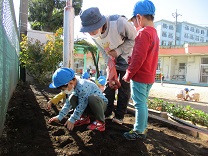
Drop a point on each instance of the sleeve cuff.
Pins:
(127, 76)
(59, 117)
(72, 120)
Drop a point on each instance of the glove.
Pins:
(114, 84)
(112, 76)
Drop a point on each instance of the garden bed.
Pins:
(27, 132)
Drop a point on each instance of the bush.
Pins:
(41, 60)
(182, 112)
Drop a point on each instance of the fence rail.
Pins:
(9, 52)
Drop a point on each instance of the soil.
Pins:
(28, 133)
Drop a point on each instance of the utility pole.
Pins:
(68, 60)
(175, 15)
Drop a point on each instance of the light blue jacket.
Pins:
(84, 89)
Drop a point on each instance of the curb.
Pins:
(197, 133)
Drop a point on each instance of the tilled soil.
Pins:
(28, 133)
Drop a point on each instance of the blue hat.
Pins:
(144, 7)
(91, 20)
(102, 80)
(85, 75)
(101, 77)
(186, 89)
(61, 77)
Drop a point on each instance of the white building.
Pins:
(166, 32)
(190, 33)
(185, 33)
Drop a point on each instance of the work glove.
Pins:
(112, 76)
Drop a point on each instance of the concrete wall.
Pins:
(39, 35)
(170, 67)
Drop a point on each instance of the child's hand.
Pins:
(49, 105)
(69, 125)
(125, 78)
(53, 119)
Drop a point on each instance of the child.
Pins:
(86, 76)
(101, 83)
(86, 98)
(63, 95)
(56, 99)
(142, 67)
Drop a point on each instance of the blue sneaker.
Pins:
(135, 135)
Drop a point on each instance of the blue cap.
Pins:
(102, 80)
(144, 7)
(186, 89)
(101, 77)
(61, 77)
(85, 75)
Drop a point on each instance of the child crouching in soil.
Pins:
(86, 99)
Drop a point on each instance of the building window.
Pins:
(182, 66)
(171, 27)
(170, 43)
(202, 32)
(186, 27)
(201, 39)
(165, 25)
(197, 38)
(191, 36)
(185, 35)
(163, 43)
(197, 31)
(170, 35)
(164, 34)
(192, 29)
(204, 60)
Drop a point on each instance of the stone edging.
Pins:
(163, 117)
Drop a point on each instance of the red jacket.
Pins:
(144, 59)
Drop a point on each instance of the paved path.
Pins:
(168, 91)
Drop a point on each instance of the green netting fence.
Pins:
(9, 52)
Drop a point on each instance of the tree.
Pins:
(41, 60)
(47, 15)
(88, 47)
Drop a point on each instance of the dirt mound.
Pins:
(27, 133)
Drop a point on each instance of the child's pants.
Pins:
(96, 106)
(140, 92)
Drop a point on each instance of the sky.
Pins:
(192, 11)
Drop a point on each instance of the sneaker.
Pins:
(83, 121)
(97, 125)
(118, 121)
(109, 116)
(135, 135)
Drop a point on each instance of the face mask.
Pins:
(68, 92)
(96, 36)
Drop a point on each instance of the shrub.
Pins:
(182, 112)
(41, 60)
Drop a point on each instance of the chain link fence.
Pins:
(9, 53)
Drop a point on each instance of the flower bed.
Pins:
(182, 112)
